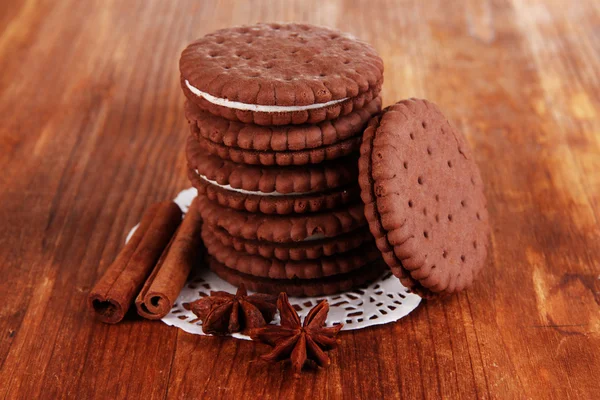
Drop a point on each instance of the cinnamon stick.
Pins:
(168, 277)
(113, 294)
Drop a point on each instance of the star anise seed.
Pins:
(222, 313)
(305, 343)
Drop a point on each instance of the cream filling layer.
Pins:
(316, 236)
(258, 193)
(257, 107)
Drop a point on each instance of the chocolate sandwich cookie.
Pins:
(282, 228)
(281, 190)
(301, 287)
(280, 138)
(269, 180)
(274, 203)
(277, 269)
(280, 74)
(424, 198)
(304, 250)
(283, 158)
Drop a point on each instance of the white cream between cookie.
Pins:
(258, 193)
(316, 236)
(257, 107)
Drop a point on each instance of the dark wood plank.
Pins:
(93, 131)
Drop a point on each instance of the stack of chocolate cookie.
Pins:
(276, 115)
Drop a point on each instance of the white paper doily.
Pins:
(380, 302)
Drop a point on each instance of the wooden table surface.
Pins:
(92, 132)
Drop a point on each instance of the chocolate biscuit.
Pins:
(309, 249)
(277, 269)
(283, 158)
(275, 204)
(280, 138)
(424, 198)
(268, 180)
(280, 74)
(301, 287)
(282, 228)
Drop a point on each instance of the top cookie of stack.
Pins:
(280, 74)
(276, 115)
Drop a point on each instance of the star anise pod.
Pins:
(305, 343)
(223, 312)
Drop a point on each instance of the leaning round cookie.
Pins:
(304, 250)
(282, 228)
(277, 269)
(300, 287)
(274, 203)
(424, 198)
(269, 180)
(280, 138)
(282, 158)
(280, 74)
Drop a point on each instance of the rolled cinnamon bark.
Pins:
(168, 277)
(113, 294)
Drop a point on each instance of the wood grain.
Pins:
(92, 132)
